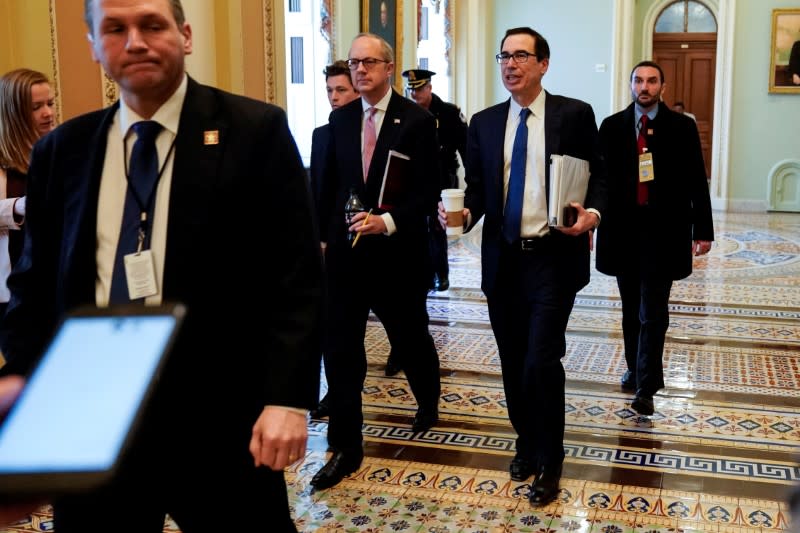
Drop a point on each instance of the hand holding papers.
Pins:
(569, 181)
(393, 180)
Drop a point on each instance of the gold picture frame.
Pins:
(385, 19)
(784, 67)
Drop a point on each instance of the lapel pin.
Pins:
(649, 131)
(211, 137)
(397, 121)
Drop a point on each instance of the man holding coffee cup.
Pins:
(531, 272)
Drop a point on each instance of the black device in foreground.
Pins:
(80, 407)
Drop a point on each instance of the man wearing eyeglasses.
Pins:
(388, 268)
(531, 272)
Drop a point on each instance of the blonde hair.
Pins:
(17, 130)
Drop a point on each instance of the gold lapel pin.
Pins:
(211, 137)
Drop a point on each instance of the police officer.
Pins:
(452, 131)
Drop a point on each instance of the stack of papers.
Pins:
(569, 181)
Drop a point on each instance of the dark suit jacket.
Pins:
(452, 133)
(319, 146)
(410, 130)
(229, 204)
(678, 197)
(569, 129)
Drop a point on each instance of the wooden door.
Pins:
(689, 64)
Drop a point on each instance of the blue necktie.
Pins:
(142, 178)
(512, 214)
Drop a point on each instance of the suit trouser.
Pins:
(529, 311)
(437, 241)
(645, 320)
(162, 475)
(401, 306)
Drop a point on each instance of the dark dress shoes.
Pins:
(338, 466)
(545, 487)
(521, 468)
(441, 284)
(322, 410)
(392, 368)
(425, 419)
(643, 405)
(628, 381)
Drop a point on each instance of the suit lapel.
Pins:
(199, 146)
(82, 175)
(552, 135)
(497, 149)
(392, 122)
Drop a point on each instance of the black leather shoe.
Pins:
(322, 410)
(338, 466)
(521, 468)
(628, 381)
(392, 369)
(425, 419)
(442, 284)
(643, 405)
(545, 487)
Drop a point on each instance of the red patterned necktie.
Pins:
(370, 137)
(642, 190)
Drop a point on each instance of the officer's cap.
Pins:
(417, 77)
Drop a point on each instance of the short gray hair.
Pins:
(386, 48)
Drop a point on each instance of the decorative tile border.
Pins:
(579, 452)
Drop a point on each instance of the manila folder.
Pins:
(394, 180)
(569, 181)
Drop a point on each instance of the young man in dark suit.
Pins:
(531, 272)
(659, 215)
(388, 268)
(238, 385)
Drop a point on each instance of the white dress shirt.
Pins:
(534, 203)
(114, 187)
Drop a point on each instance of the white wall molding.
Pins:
(783, 186)
(622, 50)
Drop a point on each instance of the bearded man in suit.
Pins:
(659, 216)
(238, 385)
(388, 269)
(531, 272)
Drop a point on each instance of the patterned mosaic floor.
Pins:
(719, 455)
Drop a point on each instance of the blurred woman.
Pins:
(26, 113)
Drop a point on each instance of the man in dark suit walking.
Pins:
(531, 272)
(388, 268)
(238, 386)
(340, 91)
(659, 215)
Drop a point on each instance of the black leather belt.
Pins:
(529, 245)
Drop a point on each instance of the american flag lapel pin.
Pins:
(210, 137)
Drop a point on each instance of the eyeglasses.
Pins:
(519, 57)
(368, 62)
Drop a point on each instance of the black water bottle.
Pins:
(351, 207)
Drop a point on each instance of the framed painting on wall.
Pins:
(784, 71)
(385, 19)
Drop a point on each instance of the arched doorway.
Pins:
(684, 44)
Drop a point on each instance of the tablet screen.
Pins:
(76, 410)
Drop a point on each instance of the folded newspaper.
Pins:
(569, 181)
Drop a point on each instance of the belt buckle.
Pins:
(527, 244)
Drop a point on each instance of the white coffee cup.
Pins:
(453, 201)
